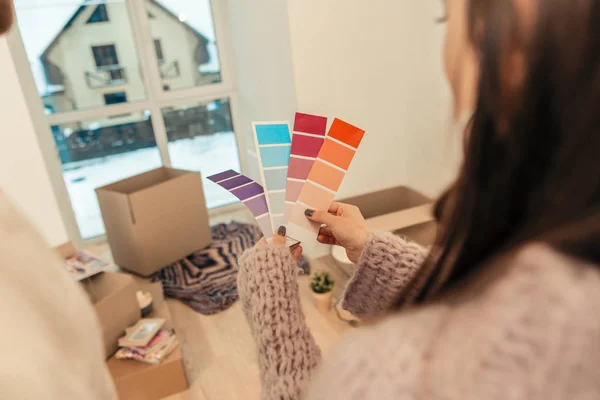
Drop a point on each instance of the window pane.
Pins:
(79, 52)
(201, 138)
(185, 44)
(97, 152)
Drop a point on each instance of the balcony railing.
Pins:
(170, 70)
(106, 76)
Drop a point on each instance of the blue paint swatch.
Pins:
(275, 156)
(277, 202)
(276, 179)
(273, 134)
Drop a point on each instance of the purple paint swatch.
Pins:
(223, 175)
(258, 205)
(235, 182)
(245, 188)
(248, 191)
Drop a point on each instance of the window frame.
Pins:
(158, 49)
(96, 50)
(114, 94)
(104, 14)
(156, 100)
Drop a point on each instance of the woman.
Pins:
(504, 306)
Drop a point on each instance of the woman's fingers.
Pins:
(297, 253)
(326, 231)
(262, 242)
(279, 237)
(322, 217)
(334, 207)
(326, 239)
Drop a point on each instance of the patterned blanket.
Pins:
(206, 280)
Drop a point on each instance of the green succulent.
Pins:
(320, 282)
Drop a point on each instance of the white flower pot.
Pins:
(322, 301)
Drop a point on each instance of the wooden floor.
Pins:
(219, 352)
(221, 358)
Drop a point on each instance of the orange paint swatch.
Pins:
(315, 196)
(336, 154)
(344, 132)
(327, 175)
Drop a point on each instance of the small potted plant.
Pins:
(322, 285)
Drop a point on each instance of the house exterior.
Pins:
(93, 62)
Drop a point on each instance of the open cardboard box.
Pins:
(400, 209)
(113, 296)
(136, 380)
(155, 218)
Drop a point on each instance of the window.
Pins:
(105, 56)
(102, 110)
(115, 98)
(158, 50)
(99, 15)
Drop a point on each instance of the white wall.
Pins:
(23, 175)
(378, 65)
(263, 65)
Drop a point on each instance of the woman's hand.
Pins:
(279, 240)
(345, 226)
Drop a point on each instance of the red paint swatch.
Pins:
(307, 139)
(308, 123)
(306, 146)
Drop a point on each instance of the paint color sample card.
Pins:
(325, 178)
(250, 193)
(273, 144)
(307, 139)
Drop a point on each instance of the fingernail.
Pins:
(308, 212)
(281, 231)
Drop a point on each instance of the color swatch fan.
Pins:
(298, 172)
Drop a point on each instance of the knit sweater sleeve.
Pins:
(287, 352)
(387, 264)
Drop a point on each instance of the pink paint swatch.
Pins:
(307, 138)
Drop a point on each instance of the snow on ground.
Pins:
(208, 154)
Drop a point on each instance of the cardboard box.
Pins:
(136, 380)
(155, 218)
(113, 296)
(401, 210)
(81, 264)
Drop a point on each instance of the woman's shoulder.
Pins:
(510, 328)
(381, 360)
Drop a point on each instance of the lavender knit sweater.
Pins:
(526, 327)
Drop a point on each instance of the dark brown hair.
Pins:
(6, 15)
(532, 153)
